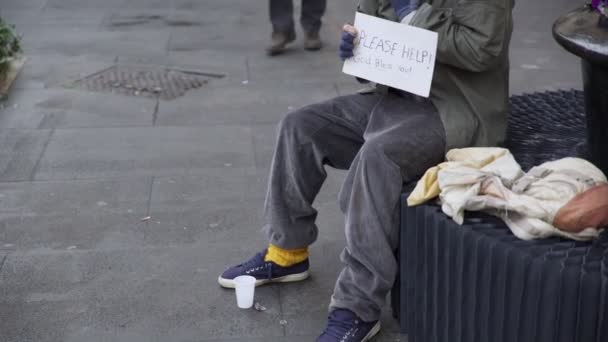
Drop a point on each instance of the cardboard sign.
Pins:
(393, 54)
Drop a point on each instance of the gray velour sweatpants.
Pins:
(383, 139)
(281, 15)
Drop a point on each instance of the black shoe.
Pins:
(279, 42)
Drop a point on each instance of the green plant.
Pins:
(10, 46)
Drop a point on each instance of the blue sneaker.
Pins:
(265, 272)
(344, 326)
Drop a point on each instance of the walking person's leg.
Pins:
(404, 137)
(312, 12)
(309, 138)
(281, 15)
(283, 30)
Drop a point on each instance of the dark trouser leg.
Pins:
(312, 11)
(281, 15)
(326, 133)
(403, 139)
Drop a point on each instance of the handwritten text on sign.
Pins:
(393, 54)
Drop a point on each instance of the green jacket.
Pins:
(471, 82)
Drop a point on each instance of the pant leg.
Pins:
(326, 133)
(403, 139)
(312, 11)
(281, 15)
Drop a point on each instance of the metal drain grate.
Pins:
(146, 81)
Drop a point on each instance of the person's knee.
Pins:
(291, 122)
(298, 126)
(372, 152)
(368, 160)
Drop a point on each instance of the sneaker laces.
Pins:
(257, 260)
(341, 324)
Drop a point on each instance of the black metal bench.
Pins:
(478, 282)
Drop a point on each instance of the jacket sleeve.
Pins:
(472, 36)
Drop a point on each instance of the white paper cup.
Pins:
(244, 288)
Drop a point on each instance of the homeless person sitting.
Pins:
(384, 138)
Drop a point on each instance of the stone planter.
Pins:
(584, 32)
(10, 76)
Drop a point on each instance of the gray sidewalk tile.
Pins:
(83, 214)
(20, 151)
(19, 111)
(165, 294)
(84, 231)
(297, 66)
(111, 152)
(83, 4)
(529, 81)
(89, 41)
(243, 104)
(29, 22)
(66, 108)
(80, 108)
(212, 207)
(22, 4)
(57, 70)
(223, 38)
(264, 138)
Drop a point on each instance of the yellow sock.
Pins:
(286, 257)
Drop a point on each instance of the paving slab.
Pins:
(82, 108)
(530, 58)
(33, 5)
(264, 139)
(233, 67)
(58, 70)
(28, 22)
(548, 69)
(85, 230)
(212, 207)
(96, 42)
(19, 111)
(73, 214)
(112, 152)
(69, 108)
(521, 82)
(229, 182)
(82, 4)
(71, 16)
(297, 66)
(223, 38)
(213, 6)
(146, 4)
(110, 196)
(252, 102)
(538, 62)
(20, 151)
(137, 19)
(224, 205)
(120, 295)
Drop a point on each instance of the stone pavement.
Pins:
(79, 170)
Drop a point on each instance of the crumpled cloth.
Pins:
(490, 180)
